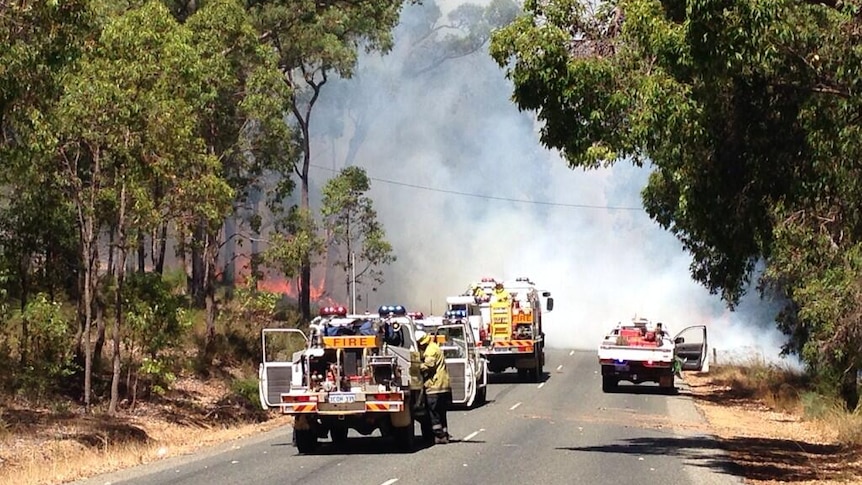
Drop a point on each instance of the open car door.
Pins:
(281, 366)
(690, 347)
(453, 342)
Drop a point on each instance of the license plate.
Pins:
(621, 367)
(342, 398)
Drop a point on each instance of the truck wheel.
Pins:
(540, 373)
(404, 437)
(609, 383)
(338, 435)
(666, 384)
(306, 441)
(481, 396)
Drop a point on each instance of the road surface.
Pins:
(563, 430)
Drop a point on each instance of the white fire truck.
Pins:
(356, 372)
(509, 329)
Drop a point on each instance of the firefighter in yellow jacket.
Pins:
(500, 294)
(438, 392)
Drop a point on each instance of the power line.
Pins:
(492, 197)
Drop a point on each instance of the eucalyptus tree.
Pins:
(315, 40)
(241, 124)
(353, 230)
(747, 112)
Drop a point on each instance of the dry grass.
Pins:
(42, 446)
(775, 428)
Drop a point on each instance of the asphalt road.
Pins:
(561, 431)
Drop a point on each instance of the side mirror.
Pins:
(546, 294)
(550, 304)
(679, 340)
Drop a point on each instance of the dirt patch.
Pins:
(769, 446)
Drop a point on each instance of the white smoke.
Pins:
(455, 130)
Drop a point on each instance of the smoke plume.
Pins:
(455, 167)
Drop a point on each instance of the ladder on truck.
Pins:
(501, 320)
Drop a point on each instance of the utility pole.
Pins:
(353, 280)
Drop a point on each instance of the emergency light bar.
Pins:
(392, 309)
(328, 311)
(456, 314)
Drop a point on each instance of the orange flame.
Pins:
(275, 283)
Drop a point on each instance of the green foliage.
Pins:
(48, 354)
(156, 318)
(287, 251)
(352, 227)
(748, 114)
(247, 388)
(158, 373)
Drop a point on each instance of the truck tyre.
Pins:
(609, 383)
(540, 373)
(404, 437)
(338, 435)
(481, 396)
(666, 384)
(306, 441)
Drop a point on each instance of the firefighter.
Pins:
(438, 393)
(500, 293)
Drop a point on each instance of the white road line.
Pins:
(572, 353)
(541, 386)
(559, 367)
(390, 481)
(472, 435)
(514, 407)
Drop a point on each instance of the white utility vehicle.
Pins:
(640, 351)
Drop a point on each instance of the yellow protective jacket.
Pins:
(433, 368)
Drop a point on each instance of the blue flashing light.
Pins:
(456, 314)
(385, 310)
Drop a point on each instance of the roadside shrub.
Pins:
(247, 388)
(47, 354)
(156, 323)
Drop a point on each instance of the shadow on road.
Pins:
(514, 378)
(751, 458)
(641, 389)
(362, 445)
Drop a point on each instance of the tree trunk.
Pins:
(111, 245)
(87, 294)
(100, 332)
(198, 280)
(160, 249)
(211, 256)
(118, 303)
(850, 388)
(142, 253)
(305, 270)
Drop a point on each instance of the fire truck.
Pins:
(508, 327)
(357, 372)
